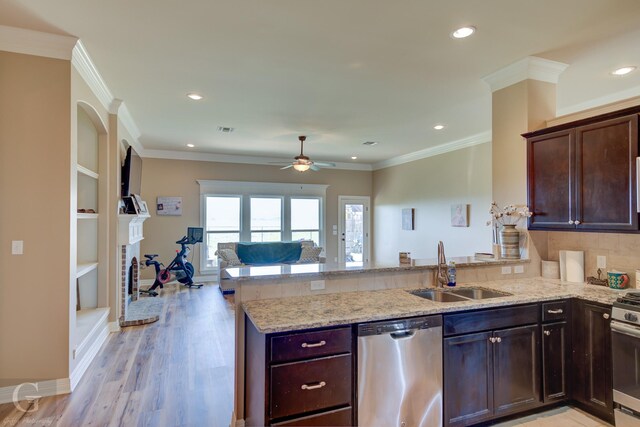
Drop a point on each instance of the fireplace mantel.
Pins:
(130, 228)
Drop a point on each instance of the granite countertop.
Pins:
(310, 271)
(315, 311)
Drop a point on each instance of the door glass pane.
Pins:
(305, 214)
(269, 236)
(223, 214)
(354, 232)
(212, 244)
(266, 214)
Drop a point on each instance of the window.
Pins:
(222, 223)
(305, 219)
(238, 211)
(266, 219)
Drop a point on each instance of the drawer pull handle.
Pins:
(313, 386)
(315, 344)
(558, 311)
(498, 340)
(492, 340)
(547, 333)
(605, 315)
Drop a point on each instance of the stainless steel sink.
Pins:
(458, 295)
(438, 296)
(479, 293)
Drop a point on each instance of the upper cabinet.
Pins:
(582, 175)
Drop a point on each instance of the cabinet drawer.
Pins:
(339, 417)
(556, 310)
(307, 345)
(477, 321)
(310, 385)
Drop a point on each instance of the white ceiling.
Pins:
(341, 72)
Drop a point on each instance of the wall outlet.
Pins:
(17, 247)
(602, 261)
(518, 269)
(506, 270)
(317, 285)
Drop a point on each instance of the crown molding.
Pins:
(611, 98)
(227, 158)
(531, 67)
(90, 74)
(470, 141)
(29, 42)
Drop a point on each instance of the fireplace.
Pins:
(133, 280)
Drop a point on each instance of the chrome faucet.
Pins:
(441, 277)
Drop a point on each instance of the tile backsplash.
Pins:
(622, 250)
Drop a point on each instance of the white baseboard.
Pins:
(33, 389)
(114, 327)
(90, 354)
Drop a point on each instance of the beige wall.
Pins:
(178, 178)
(431, 186)
(35, 168)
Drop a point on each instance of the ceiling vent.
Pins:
(370, 143)
(225, 129)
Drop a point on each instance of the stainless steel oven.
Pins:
(625, 338)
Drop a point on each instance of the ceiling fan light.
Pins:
(301, 167)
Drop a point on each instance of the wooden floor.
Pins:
(559, 417)
(175, 372)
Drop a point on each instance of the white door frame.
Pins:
(366, 201)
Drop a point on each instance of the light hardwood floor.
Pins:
(175, 372)
(559, 417)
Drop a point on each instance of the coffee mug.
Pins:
(618, 280)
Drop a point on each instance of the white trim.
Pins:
(530, 67)
(217, 187)
(29, 42)
(90, 74)
(44, 388)
(480, 138)
(127, 121)
(602, 101)
(114, 327)
(227, 158)
(85, 361)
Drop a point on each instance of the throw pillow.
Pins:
(229, 256)
(309, 254)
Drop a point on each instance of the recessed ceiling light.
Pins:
(225, 129)
(190, 145)
(623, 71)
(463, 32)
(438, 127)
(354, 157)
(370, 143)
(195, 96)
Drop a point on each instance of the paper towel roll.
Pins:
(572, 266)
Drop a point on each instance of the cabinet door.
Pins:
(554, 361)
(591, 340)
(551, 186)
(516, 369)
(605, 170)
(468, 379)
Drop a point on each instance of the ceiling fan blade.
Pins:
(286, 167)
(279, 163)
(314, 168)
(325, 164)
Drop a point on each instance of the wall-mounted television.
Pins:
(131, 173)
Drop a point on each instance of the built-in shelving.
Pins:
(88, 172)
(87, 216)
(84, 268)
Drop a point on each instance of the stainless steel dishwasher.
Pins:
(400, 373)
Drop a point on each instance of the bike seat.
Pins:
(150, 256)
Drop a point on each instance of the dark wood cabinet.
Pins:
(582, 175)
(592, 379)
(492, 373)
(555, 361)
(299, 378)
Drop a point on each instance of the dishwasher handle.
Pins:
(403, 334)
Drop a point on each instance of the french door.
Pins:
(353, 230)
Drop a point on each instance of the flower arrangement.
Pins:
(509, 215)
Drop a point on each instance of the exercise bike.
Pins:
(180, 267)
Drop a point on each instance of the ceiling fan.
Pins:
(303, 163)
